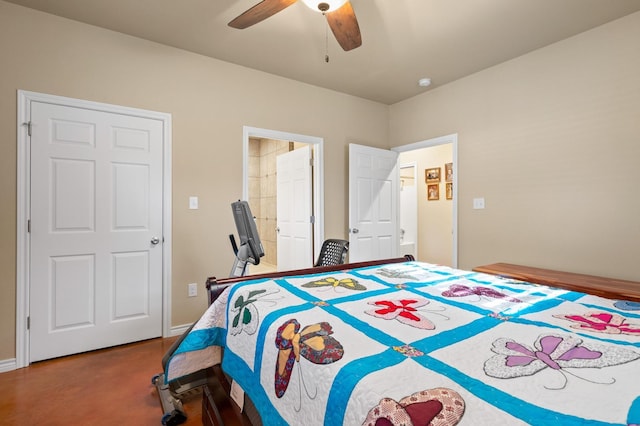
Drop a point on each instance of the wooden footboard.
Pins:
(610, 288)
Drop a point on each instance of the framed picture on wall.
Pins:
(448, 172)
(432, 175)
(433, 192)
(449, 190)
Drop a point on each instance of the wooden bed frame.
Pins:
(609, 288)
(599, 286)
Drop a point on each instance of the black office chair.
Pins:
(333, 252)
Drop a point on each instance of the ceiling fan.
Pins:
(339, 13)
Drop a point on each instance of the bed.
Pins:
(407, 342)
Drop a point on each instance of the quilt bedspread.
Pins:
(416, 343)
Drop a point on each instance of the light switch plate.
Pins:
(478, 203)
(193, 203)
(193, 290)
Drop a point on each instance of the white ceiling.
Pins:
(402, 40)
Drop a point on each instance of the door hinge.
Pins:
(28, 226)
(28, 323)
(28, 124)
(313, 219)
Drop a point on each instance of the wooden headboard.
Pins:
(215, 286)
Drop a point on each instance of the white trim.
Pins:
(22, 237)
(442, 140)
(167, 219)
(318, 172)
(178, 330)
(7, 365)
(23, 184)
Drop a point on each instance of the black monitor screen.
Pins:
(247, 230)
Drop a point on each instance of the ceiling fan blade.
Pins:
(345, 26)
(260, 12)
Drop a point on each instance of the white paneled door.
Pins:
(96, 223)
(373, 203)
(294, 209)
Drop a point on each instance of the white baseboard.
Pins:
(11, 364)
(8, 365)
(178, 330)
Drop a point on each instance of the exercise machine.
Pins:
(249, 251)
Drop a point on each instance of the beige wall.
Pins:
(552, 141)
(209, 100)
(435, 217)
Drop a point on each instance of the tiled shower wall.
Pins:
(262, 190)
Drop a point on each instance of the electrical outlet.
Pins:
(193, 289)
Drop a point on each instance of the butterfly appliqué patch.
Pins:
(459, 290)
(395, 273)
(602, 322)
(402, 310)
(331, 282)
(314, 343)
(557, 352)
(437, 407)
(245, 314)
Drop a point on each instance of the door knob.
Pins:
(155, 240)
(354, 230)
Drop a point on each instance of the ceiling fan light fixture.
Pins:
(324, 6)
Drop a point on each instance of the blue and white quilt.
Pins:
(415, 343)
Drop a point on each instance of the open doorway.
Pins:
(430, 206)
(261, 185)
(409, 207)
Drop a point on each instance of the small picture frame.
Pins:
(448, 172)
(449, 190)
(433, 192)
(432, 175)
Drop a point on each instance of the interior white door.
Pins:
(96, 223)
(373, 203)
(294, 209)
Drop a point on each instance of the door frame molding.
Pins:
(442, 140)
(23, 194)
(318, 172)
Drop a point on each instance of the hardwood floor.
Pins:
(106, 387)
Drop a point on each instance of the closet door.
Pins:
(96, 229)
